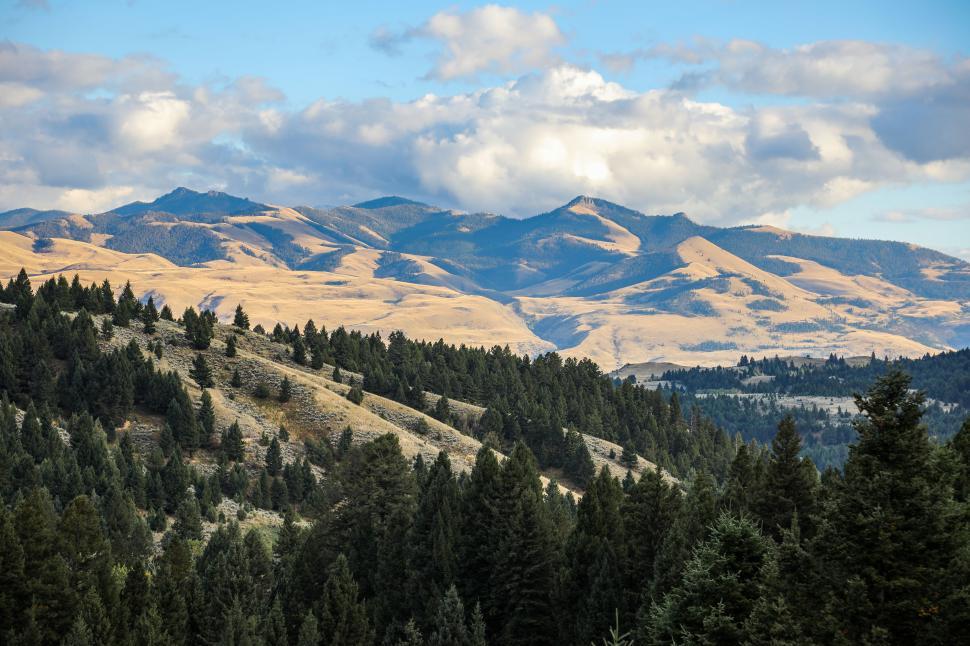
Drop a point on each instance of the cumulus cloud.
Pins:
(126, 127)
(921, 100)
(489, 39)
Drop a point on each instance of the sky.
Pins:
(835, 118)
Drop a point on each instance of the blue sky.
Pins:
(835, 117)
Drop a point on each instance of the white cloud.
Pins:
(125, 127)
(488, 39)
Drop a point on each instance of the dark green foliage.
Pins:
(236, 380)
(240, 319)
(231, 346)
(343, 618)
(261, 391)
(299, 351)
(201, 372)
(232, 442)
(286, 390)
(274, 458)
(198, 329)
(355, 395)
(719, 587)
(207, 419)
(790, 483)
(389, 549)
(891, 534)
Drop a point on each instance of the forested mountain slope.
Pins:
(184, 481)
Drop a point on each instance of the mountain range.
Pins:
(590, 278)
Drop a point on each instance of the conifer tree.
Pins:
(240, 319)
(299, 351)
(449, 621)
(201, 372)
(286, 390)
(890, 536)
(595, 550)
(432, 540)
(207, 419)
(149, 316)
(274, 458)
(790, 485)
(442, 410)
(166, 313)
(355, 395)
(231, 346)
(343, 617)
(309, 632)
(236, 380)
(232, 442)
(720, 585)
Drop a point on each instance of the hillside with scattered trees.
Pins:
(182, 481)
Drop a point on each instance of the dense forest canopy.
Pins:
(103, 542)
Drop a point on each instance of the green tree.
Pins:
(343, 617)
(286, 390)
(791, 484)
(231, 346)
(207, 418)
(449, 621)
(717, 593)
(891, 536)
(232, 442)
(355, 395)
(201, 372)
(240, 319)
(274, 458)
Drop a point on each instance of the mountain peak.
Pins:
(185, 201)
(386, 201)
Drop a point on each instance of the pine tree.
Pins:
(286, 390)
(432, 541)
(717, 593)
(337, 377)
(166, 313)
(595, 551)
(891, 535)
(241, 319)
(231, 346)
(236, 380)
(232, 442)
(207, 419)
(188, 519)
(201, 372)
(343, 618)
(274, 458)
(791, 484)
(299, 351)
(274, 626)
(309, 632)
(198, 329)
(149, 316)
(449, 621)
(355, 395)
(442, 410)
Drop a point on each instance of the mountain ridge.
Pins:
(588, 278)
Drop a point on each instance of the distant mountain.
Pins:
(183, 201)
(590, 278)
(26, 216)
